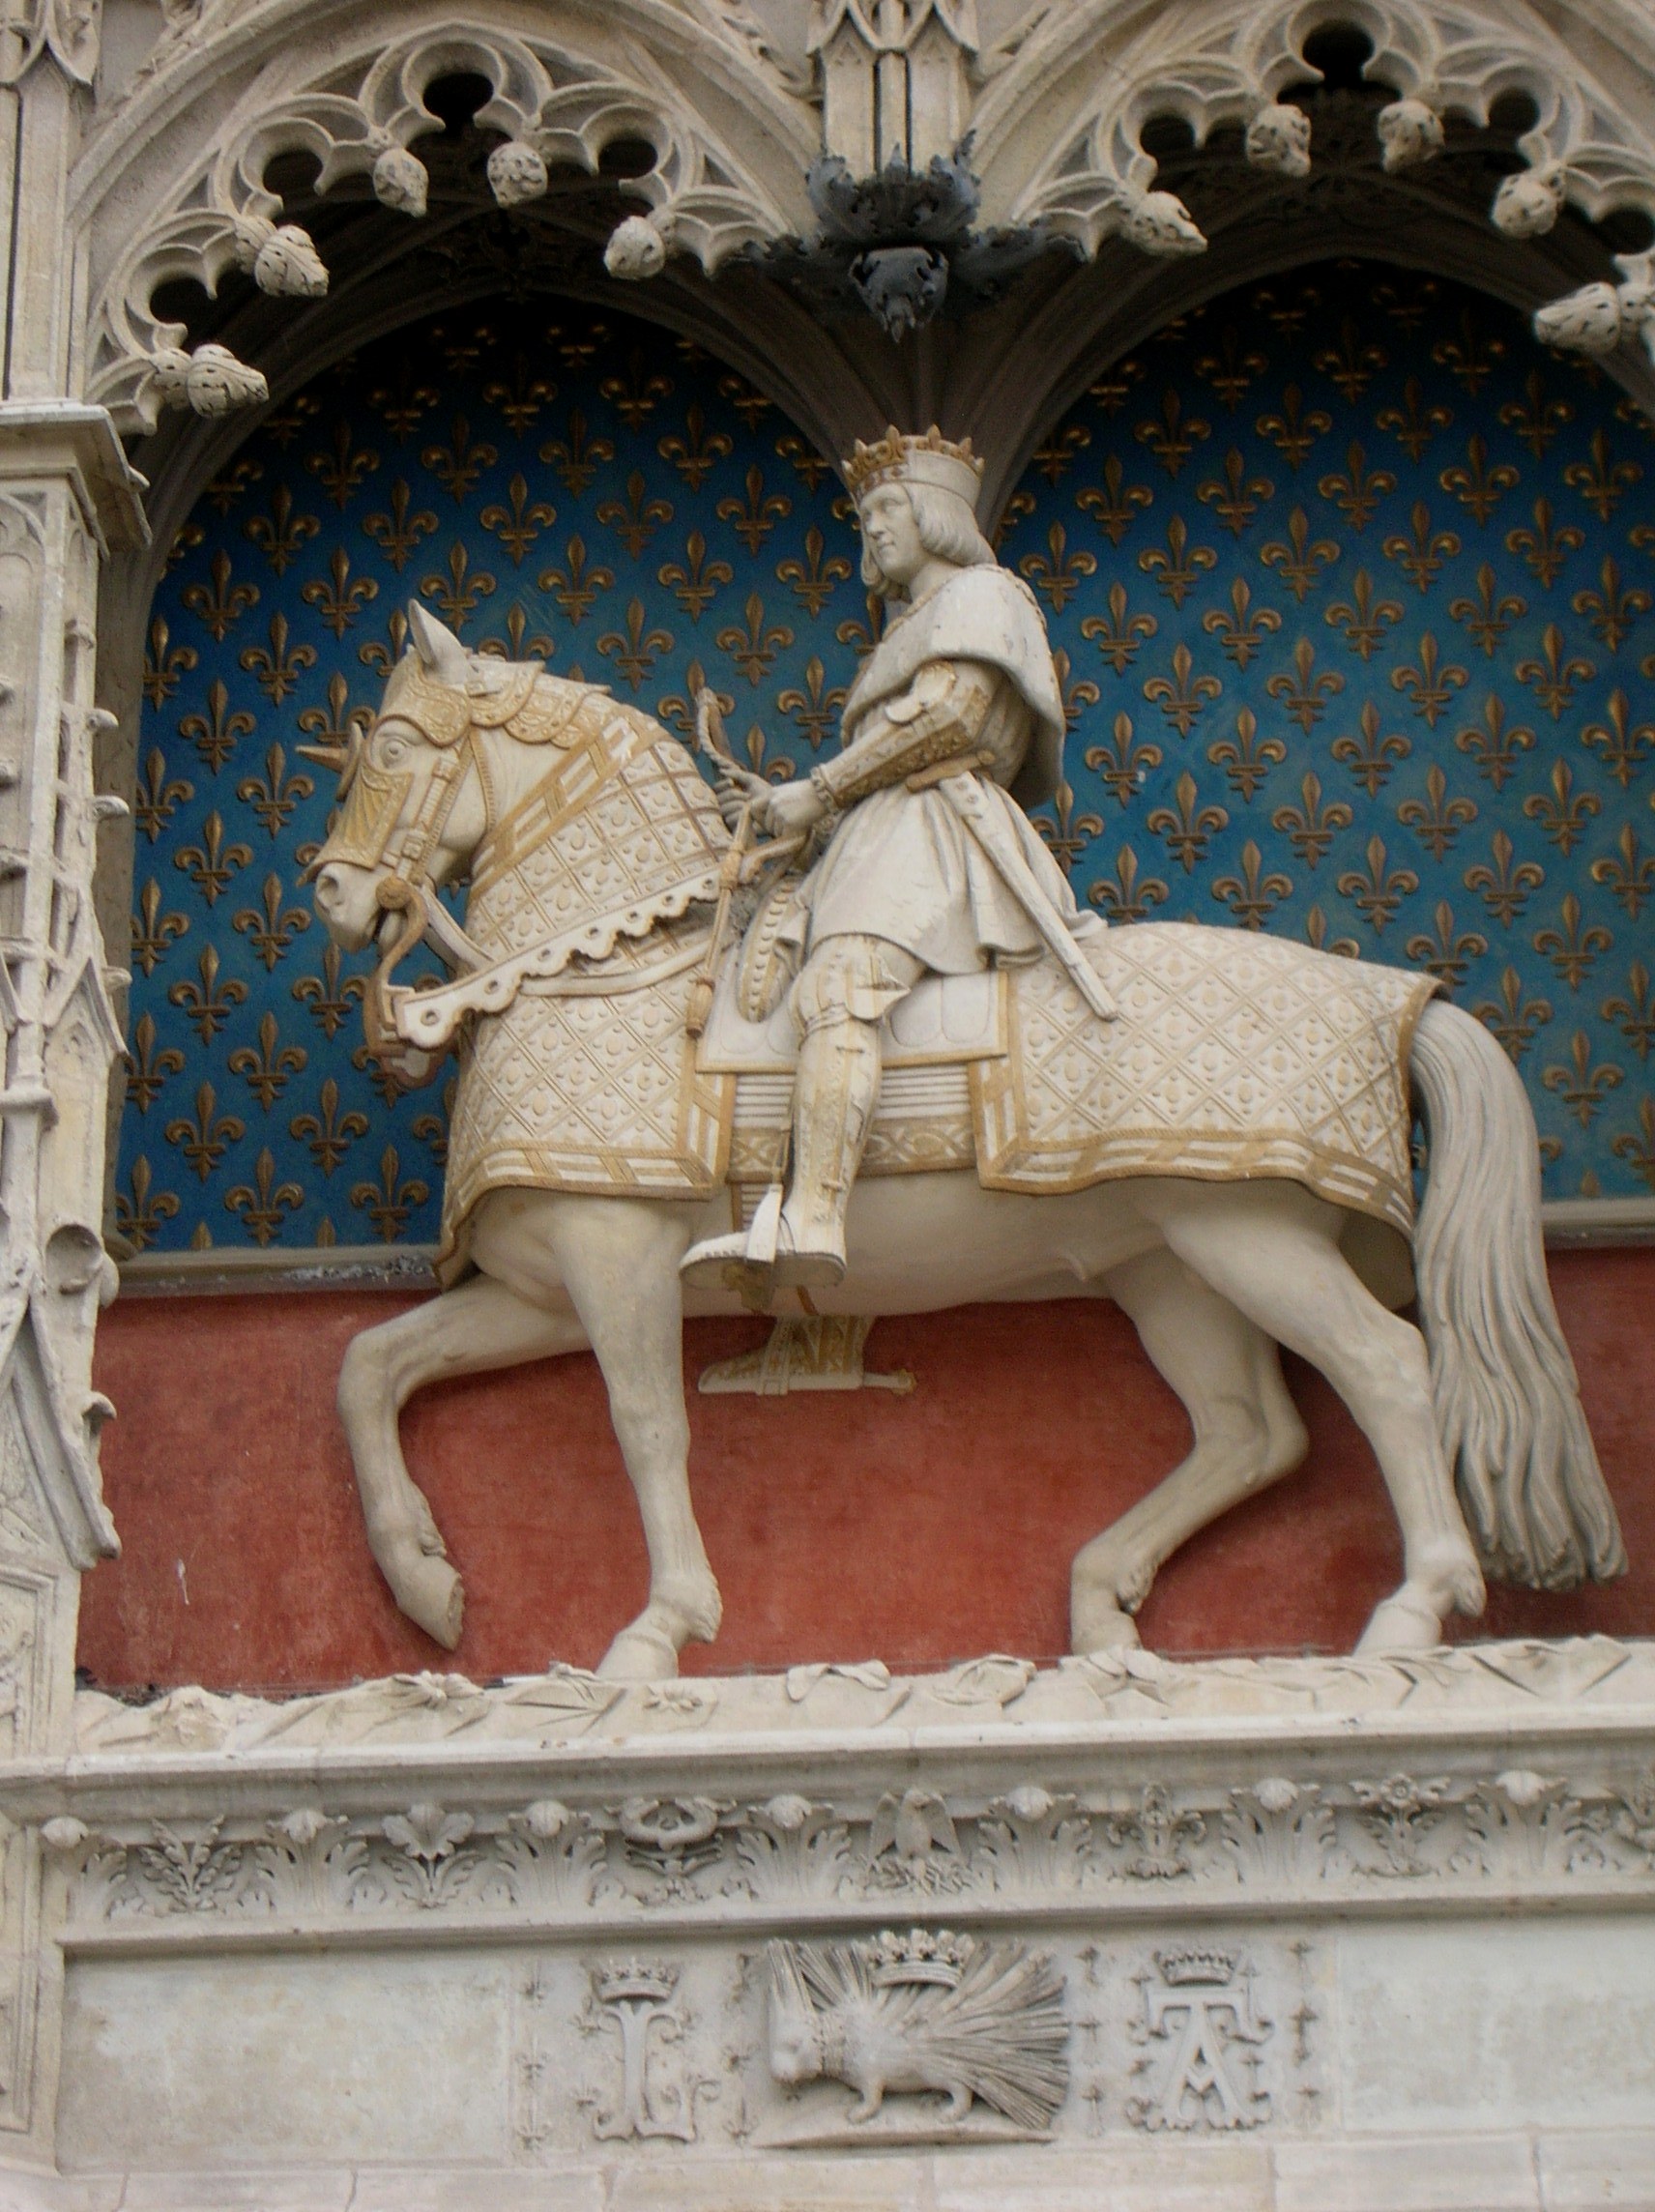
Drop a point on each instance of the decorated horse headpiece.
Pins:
(901, 457)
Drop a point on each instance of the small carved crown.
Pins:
(1209, 1969)
(923, 1955)
(632, 1978)
(899, 457)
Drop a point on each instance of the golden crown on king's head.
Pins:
(901, 457)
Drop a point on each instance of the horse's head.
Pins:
(413, 807)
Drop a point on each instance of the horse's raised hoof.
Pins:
(428, 1591)
(642, 1652)
(1405, 1621)
(1103, 1627)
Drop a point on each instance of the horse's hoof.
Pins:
(1402, 1622)
(431, 1594)
(1104, 1628)
(640, 1654)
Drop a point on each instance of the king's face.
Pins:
(892, 532)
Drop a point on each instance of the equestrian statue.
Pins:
(846, 1046)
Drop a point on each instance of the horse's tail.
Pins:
(1506, 1394)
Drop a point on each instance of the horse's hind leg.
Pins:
(482, 1324)
(1272, 1249)
(1247, 1434)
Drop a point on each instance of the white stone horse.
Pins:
(1215, 1274)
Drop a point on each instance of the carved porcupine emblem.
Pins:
(927, 2010)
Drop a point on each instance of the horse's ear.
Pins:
(441, 653)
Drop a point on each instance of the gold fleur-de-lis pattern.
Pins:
(1349, 584)
(1353, 586)
(549, 483)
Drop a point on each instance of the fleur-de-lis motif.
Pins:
(1056, 458)
(1058, 572)
(1351, 363)
(1118, 635)
(1471, 357)
(1421, 552)
(1474, 482)
(1505, 887)
(457, 465)
(1247, 758)
(337, 598)
(206, 1140)
(1623, 748)
(1020, 504)
(1122, 896)
(1300, 560)
(637, 394)
(1235, 497)
(813, 578)
(1371, 757)
(754, 518)
(1252, 895)
(1187, 829)
(1555, 674)
(165, 664)
(275, 795)
(522, 399)
(1548, 545)
(222, 493)
(574, 586)
(1490, 615)
(1582, 1087)
(1571, 948)
(1123, 762)
(635, 519)
(1613, 609)
(694, 581)
(635, 650)
(1437, 820)
(1428, 686)
(1639, 1150)
(222, 604)
(1535, 419)
(1356, 489)
(403, 402)
(864, 635)
(212, 864)
(329, 998)
(1492, 745)
(147, 1069)
(699, 451)
(278, 670)
(1183, 695)
(1450, 952)
(267, 1071)
(1066, 833)
(1303, 694)
(778, 768)
(754, 647)
(520, 645)
(153, 931)
(1562, 813)
(1635, 1014)
(329, 1133)
(1377, 894)
(1177, 568)
(1363, 619)
(332, 725)
(262, 1203)
(279, 534)
(1316, 935)
(1112, 503)
(815, 707)
(269, 928)
(1293, 432)
(578, 457)
(1630, 874)
(519, 522)
(460, 591)
(138, 1216)
(1516, 1021)
(388, 1201)
(398, 531)
(1229, 372)
(1111, 391)
(1241, 632)
(342, 471)
(215, 734)
(1171, 436)
(1602, 482)
(1310, 828)
(157, 797)
(1077, 692)
(1413, 424)
(433, 1128)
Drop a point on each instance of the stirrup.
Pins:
(759, 1260)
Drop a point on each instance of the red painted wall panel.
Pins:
(917, 1529)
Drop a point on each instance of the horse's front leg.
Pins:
(619, 1259)
(482, 1324)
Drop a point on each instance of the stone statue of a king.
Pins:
(925, 860)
